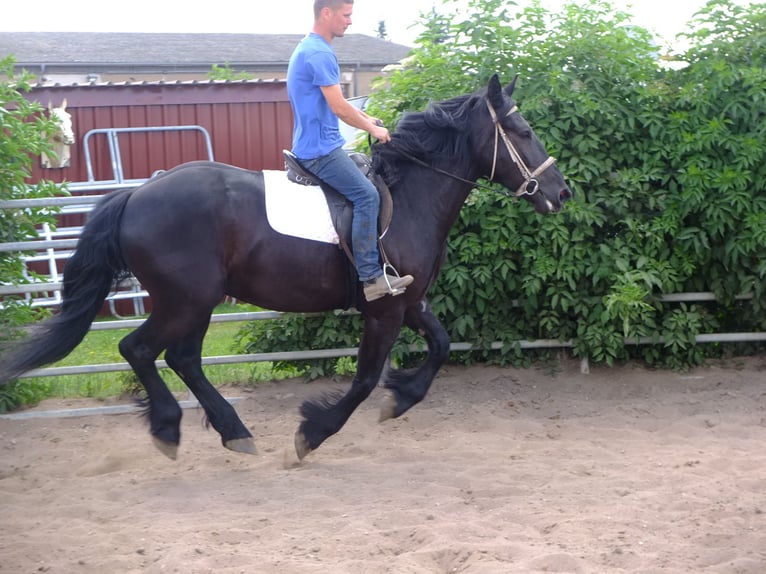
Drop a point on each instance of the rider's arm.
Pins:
(352, 116)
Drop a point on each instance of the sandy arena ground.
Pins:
(497, 471)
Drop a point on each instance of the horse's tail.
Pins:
(88, 278)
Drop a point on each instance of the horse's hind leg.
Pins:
(141, 348)
(408, 388)
(185, 358)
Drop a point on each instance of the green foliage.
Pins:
(22, 392)
(307, 332)
(667, 162)
(24, 134)
(381, 30)
(227, 73)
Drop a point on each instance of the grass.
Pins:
(100, 347)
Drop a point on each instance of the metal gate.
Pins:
(55, 246)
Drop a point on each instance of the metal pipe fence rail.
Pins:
(50, 250)
(352, 351)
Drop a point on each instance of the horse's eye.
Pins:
(524, 132)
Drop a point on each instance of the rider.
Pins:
(313, 84)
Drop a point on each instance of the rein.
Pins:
(529, 175)
(422, 163)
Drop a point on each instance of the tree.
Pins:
(381, 32)
(227, 73)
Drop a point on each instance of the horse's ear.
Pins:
(63, 104)
(50, 106)
(510, 87)
(495, 92)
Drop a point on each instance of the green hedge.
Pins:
(24, 134)
(666, 156)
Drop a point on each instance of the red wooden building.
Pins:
(246, 124)
(249, 123)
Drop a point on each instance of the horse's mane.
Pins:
(438, 133)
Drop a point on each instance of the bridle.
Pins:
(530, 186)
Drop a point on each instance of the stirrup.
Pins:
(395, 273)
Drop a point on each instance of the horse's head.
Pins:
(63, 120)
(513, 156)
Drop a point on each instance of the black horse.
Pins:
(199, 232)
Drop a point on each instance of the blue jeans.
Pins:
(340, 171)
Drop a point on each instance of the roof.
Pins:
(141, 49)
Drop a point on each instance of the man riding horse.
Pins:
(313, 84)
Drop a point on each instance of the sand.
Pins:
(499, 470)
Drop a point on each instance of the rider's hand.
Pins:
(380, 132)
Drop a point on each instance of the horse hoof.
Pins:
(388, 410)
(169, 449)
(289, 459)
(302, 447)
(244, 445)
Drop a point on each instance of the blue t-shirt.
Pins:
(315, 130)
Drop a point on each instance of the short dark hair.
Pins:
(334, 4)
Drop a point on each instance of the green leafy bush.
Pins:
(24, 134)
(667, 163)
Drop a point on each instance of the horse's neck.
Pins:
(435, 202)
(60, 157)
(61, 151)
(64, 153)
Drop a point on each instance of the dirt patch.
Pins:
(497, 471)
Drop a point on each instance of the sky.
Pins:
(664, 17)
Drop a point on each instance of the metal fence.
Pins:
(352, 351)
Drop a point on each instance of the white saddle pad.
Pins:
(297, 210)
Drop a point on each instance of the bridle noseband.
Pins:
(530, 185)
(530, 176)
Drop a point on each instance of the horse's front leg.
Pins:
(325, 416)
(409, 387)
